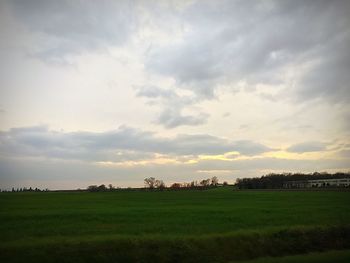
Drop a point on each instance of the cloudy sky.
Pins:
(115, 91)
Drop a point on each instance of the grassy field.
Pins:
(323, 257)
(216, 225)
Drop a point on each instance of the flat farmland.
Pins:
(217, 225)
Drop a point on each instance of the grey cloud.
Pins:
(168, 96)
(251, 148)
(226, 114)
(344, 153)
(38, 128)
(307, 147)
(172, 118)
(274, 164)
(75, 26)
(227, 41)
(119, 145)
(200, 144)
(255, 41)
(172, 106)
(268, 97)
(329, 78)
(155, 92)
(345, 121)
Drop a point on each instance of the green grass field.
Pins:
(322, 257)
(218, 225)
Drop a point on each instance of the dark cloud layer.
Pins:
(307, 147)
(70, 27)
(255, 41)
(229, 42)
(120, 145)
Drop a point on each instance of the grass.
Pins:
(321, 257)
(171, 225)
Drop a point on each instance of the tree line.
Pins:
(153, 183)
(277, 180)
(25, 189)
(101, 188)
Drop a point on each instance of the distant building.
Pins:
(296, 184)
(319, 183)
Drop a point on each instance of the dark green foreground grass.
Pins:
(323, 257)
(182, 226)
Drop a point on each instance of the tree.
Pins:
(225, 183)
(275, 180)
(150, 182)
(214, 181)
(111, 187)
(102, 187)
(175, 186)
(92, 188)
(205, 182)
(95, 188)
(159, 184)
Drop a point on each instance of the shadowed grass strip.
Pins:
(208, 248)
(338, 256)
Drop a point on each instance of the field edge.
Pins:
(207, 248)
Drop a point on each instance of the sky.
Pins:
(96, 92)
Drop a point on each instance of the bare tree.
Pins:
(150, 182)
(205, 182)
(102, 187)
(214, 181)
(176, 186)
(194, 184)
(160, 184)
(92, 188)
